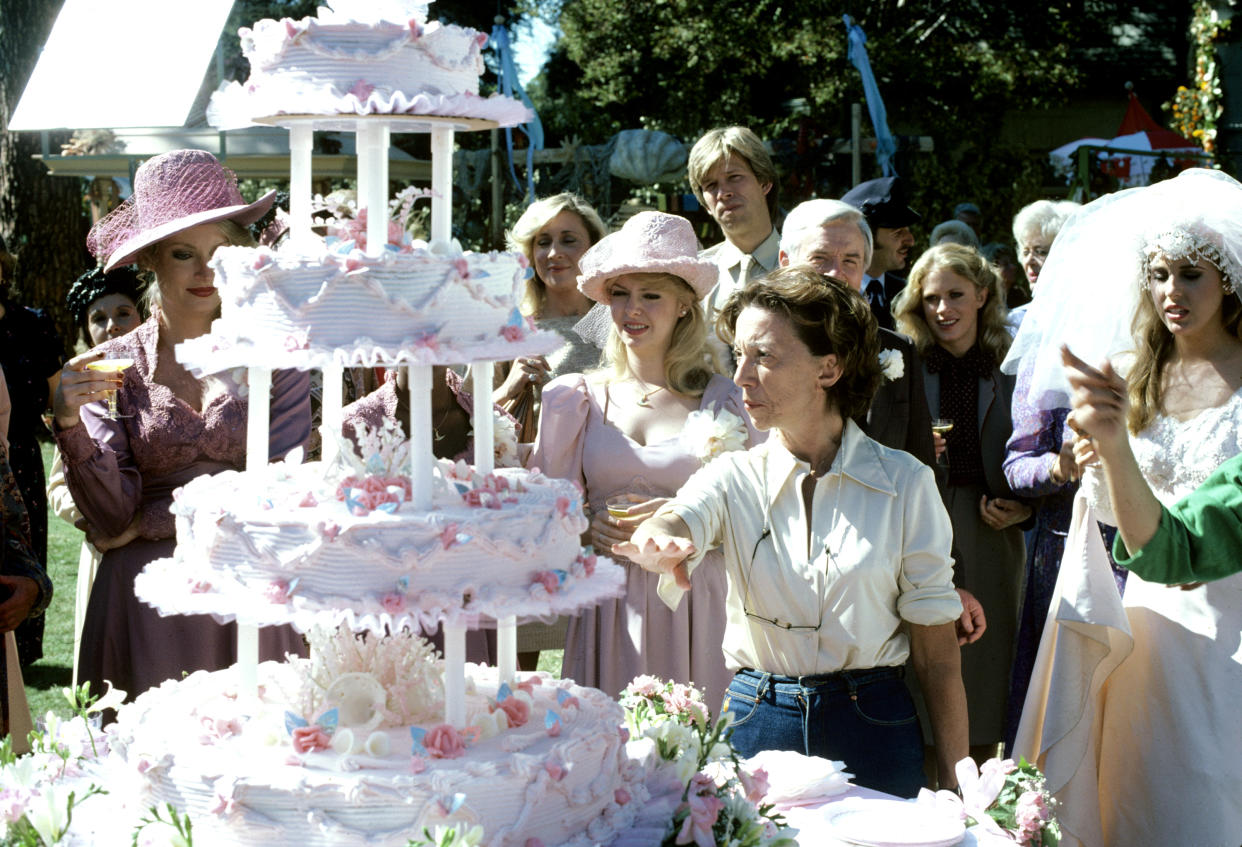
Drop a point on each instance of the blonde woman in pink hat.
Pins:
(632, 433)
(169, 425)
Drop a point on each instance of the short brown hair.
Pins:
(725, 143)
(826, 315)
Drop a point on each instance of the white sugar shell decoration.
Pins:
(359, 699)
(374, 11)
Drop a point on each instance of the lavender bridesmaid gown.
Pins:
(116, 469)
(610, 644)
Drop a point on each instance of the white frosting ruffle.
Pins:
(235, 107)
(218, 351)
(169, 587)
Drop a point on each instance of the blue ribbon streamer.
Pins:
(510, 86)
(885, 145)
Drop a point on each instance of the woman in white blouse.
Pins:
(822, 612)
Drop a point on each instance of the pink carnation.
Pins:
(307, 739)
(444, 742)
(515, 709)
(393, 603)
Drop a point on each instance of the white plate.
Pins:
(894, 823)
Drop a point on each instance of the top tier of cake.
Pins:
(334, 65)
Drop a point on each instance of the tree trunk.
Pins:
(41, 216)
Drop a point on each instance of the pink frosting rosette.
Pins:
(444, 742)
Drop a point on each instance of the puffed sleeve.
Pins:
(103, 478)
(562, 429)
(290, 423)
(59, 498)
(925, 583)
(1034, 445)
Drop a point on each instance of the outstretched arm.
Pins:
(1099, 410)
(660, 544)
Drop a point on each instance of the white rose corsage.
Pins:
(892, 364)
(505, 434)
(708, 434)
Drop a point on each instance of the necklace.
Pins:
(644, 396)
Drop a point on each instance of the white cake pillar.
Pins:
(258, 418)
(442, 186)
(421, 457)
(373, 137)
(301, 142)
(454, 674)
(506, 648)
(332, 411)
(484, 437)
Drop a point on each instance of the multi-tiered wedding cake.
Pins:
(373, 738)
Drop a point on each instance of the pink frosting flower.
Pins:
(548, 580)
(562, 506)
(224, 806)
(199, 586)
(308, 501)
(534, 842)
(277, 592)
(295, 341)
(588, 563)
(307, 739)
(515, 709)
(361, 89)
(261, 261)
(331, 531)
(448, 537)
(393, 603)
(444, 742)
(621, 796)
(512, 333)
(417, 764)
(554, 770)
(462, 266)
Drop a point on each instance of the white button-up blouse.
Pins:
(878, 555)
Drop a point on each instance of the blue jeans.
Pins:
(864, 718)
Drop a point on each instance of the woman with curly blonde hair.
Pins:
(953, 309)
(631, 433)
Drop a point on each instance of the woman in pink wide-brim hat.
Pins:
(631, 433)
(171, 425)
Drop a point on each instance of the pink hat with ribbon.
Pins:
(648, 243)
(172, 193)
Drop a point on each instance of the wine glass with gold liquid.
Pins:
(942, 427)
(112, 363)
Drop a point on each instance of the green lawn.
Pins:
(52, 673)
(49, 675)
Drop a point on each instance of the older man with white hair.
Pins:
(834, 238)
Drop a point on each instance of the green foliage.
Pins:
(182, 834)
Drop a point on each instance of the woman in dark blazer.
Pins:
(953, 310)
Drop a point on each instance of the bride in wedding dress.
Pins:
(1132, 711)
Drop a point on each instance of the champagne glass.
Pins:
(942, 427)
(112, 363)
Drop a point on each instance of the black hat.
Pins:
(94, 284)
(882, 202)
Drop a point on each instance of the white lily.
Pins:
(48, 813)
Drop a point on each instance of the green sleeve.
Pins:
(1199, 538)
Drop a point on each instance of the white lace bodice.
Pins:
(1177, 456)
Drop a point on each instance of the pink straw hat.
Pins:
(648, 243)
(172, 193)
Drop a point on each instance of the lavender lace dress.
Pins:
(119, 469)
(608, 645)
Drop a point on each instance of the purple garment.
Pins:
(610, 644)
(1037, 438)
(117, 470)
